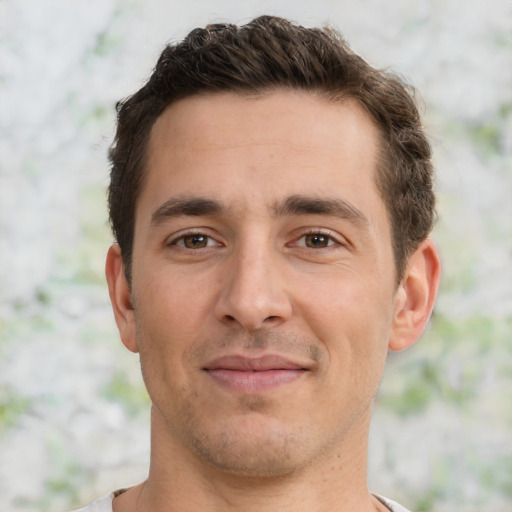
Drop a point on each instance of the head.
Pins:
(262, 56)
(271, 196)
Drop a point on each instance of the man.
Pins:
(271, 198)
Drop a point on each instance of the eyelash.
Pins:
(332, 240)
(175, 241)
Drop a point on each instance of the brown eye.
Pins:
(317, 241)
(194, 241)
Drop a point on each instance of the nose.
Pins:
(253, 292)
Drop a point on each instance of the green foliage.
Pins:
(412, 400)
(106, 43)
(133, 397)
(427, 502)
(65, 477)
(26, 324)
(43, 297)
(12, 406)
(487, 138)
(89, 257)
(448, 365)
(497, 474)
(475, 335)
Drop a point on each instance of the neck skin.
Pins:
(179, 481)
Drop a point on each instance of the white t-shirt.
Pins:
(102, 505)
(105, 505)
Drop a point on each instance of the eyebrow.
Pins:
(293, 205)
(306, 205)
(186, 206)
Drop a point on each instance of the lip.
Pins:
(254, 374)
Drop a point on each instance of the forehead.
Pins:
(308, 119)
(261, 148)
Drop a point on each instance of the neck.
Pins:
(179, 481)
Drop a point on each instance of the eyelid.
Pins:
(335, 237)
(180, 235)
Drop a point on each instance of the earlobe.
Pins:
(120, 297)
(416, 296)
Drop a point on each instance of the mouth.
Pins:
(252, 375)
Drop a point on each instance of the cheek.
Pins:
(172, 302)
(167, 320)
(352, 318)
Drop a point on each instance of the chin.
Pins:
(261, 449)
(245, 457)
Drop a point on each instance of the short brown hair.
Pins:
(263, 55)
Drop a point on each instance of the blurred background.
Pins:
(74, 414)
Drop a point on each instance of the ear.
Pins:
(120, 297)
(415, 296)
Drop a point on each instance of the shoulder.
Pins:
(392, 505)
(101, 505)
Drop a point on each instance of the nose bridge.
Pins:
(253, 294)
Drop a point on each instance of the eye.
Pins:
(194, 241)
(316, 241)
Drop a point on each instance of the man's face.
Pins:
(263, 281)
